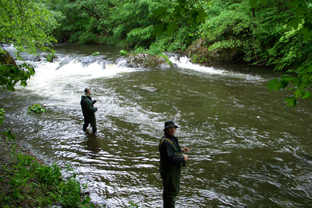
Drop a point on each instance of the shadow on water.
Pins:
(92, 142)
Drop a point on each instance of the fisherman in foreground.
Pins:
(171, 159)
(88, 111)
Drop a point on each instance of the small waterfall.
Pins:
(184, 62)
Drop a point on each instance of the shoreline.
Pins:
(26, 181)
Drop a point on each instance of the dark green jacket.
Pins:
(170, 151)
(87, 105)
(171, 160)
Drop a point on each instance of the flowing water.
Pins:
(248, 149)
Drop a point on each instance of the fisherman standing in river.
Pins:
(171, 160)
(88, 110)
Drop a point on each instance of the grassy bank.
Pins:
(27, 182)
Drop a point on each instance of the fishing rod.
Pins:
(102, 103)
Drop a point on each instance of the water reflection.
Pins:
(92, 143)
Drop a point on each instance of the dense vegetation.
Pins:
(25, 182)
(129, 23)
(27, 25)
(273, 33)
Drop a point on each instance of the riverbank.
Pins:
(27, 182)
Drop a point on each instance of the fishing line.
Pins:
(100, 105)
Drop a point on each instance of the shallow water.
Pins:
(248, 149)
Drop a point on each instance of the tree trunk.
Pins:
(6, 59)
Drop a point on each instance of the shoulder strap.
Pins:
(161, 141)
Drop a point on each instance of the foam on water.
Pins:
(61, 83)
(184, 62)
(51, 79)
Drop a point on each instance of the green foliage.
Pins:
(1, 115)
(36, 108)
(229, 26)
(70, 192)
(123, 52)
(10, 75)
(167, 59)
(82, 21)
(87, 38)
(50, 57)
(293, 50)
(95, 53)
(198, 59)
(26, 24)
(179, 22)
(133, 24)
(299, 83)
(140, 50)
(155, 49)
(140, 34)
(257, 31)
(32, 184)
(188, 13)
(130, 23)
(272, 32)
(9, 135)
(49, 175)
(133, 205)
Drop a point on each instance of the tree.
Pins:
(177, 23)
(82, 21)
(276, 33)
(230, 26)
(10, 73)
(299, 77)
(25, 24)
(164, 25)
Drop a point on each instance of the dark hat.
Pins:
(86, 90)
(169, 124)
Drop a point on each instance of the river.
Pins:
(247, 148)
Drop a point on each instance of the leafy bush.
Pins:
(95, 53)
(25, 182)
(87, 38)
(1, 115)
(50, 57)
(10, 75)
(155, 49)
(36, 108)
(167, 59)
(123, 52)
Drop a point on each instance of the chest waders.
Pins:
(170, 174)
(89, 117)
